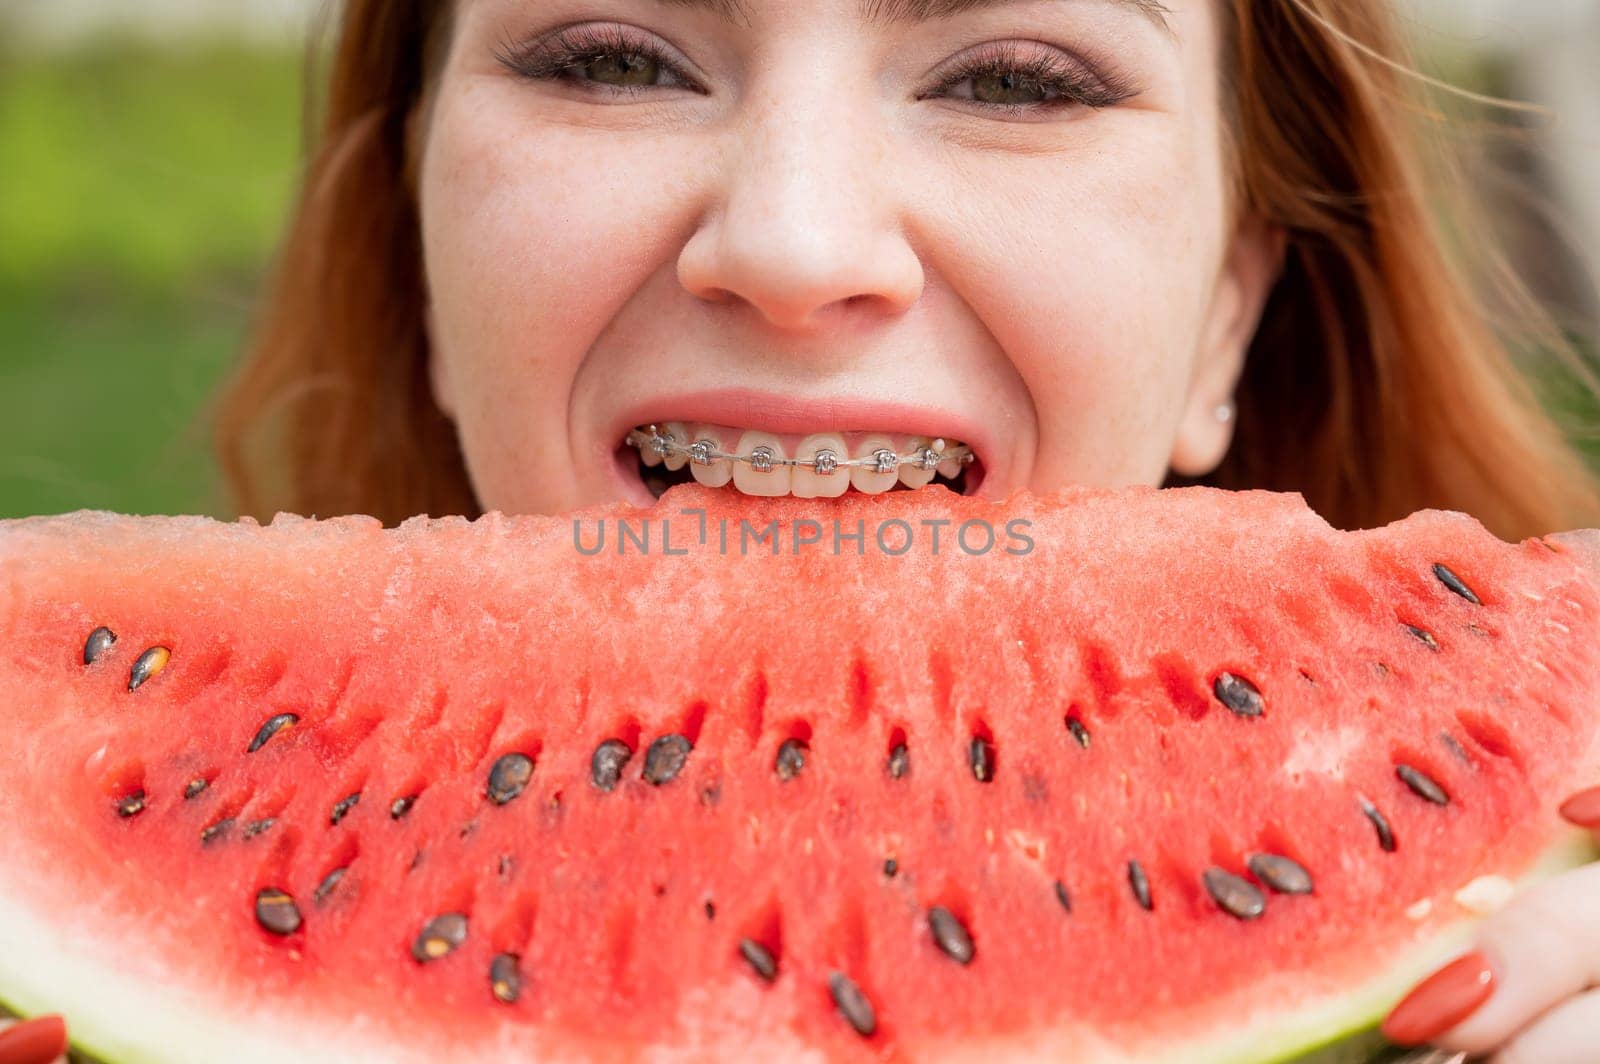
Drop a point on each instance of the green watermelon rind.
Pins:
(1357, 1040)
(1342, 1030)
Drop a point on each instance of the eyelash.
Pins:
(1052, 72)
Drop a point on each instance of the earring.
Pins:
(1223, 411)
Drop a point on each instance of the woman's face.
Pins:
(768, 222)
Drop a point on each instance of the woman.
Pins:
(1091, 241)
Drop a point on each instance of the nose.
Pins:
(804, 228)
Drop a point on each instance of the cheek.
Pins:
(1093, 269)
(535, 236)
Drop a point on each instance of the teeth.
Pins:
(754, 481)
(680, 434)
(718, 473)
(863, 478)
(806, 482)
(824, 464)
(912, 475)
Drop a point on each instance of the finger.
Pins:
(1567, 1034)
(42, 1040)
(1583, 809)
(1543, 948)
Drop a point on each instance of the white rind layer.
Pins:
(110, 987)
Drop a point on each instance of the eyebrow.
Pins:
(889, 12)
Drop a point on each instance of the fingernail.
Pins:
(36, 1041)
(1583, 808)
(1441, 1001)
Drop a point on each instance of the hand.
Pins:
(1529, 993)
(37, 1041)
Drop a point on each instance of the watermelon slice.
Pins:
(1156, 775)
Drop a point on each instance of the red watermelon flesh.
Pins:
(1054, 746)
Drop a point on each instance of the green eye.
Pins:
(605, 62)
(622, 69)
(1007, 90)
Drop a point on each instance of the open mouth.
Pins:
(820, 465)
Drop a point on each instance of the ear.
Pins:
(1250, 268)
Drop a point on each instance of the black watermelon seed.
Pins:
(1455, 583)
(605, 767)
(100, 640)
(509, 775)
(1238, 694)
(1140, 884)
(131, 806)
(1062, 896)
(899, 762)
(1421, 784)
(256, 827)
(277, 912)
(1235, 896)
(759, 958)
(950, 934)
(1454, 747)
(401, 806)
(1424, 635)
(441, 935)
(791, 759)
(272, 727)
(505, 978)
(342, 808)
(665, 759)
(1280, 873)
(853, 1004)
(216, 831)
(505, 866)
(980, 755)
(1380, 825)
(890, 867)
(325, 888)
(1079, 732)
(146, 665)
(195, 787)
(711, 910)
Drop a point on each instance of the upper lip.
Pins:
(749, 408)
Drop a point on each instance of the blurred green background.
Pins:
(142, 187)
(143, 181)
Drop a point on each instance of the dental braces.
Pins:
(826, 462)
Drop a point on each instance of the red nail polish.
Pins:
(38, 1041)
(1583, 808)
(1441, 1001)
